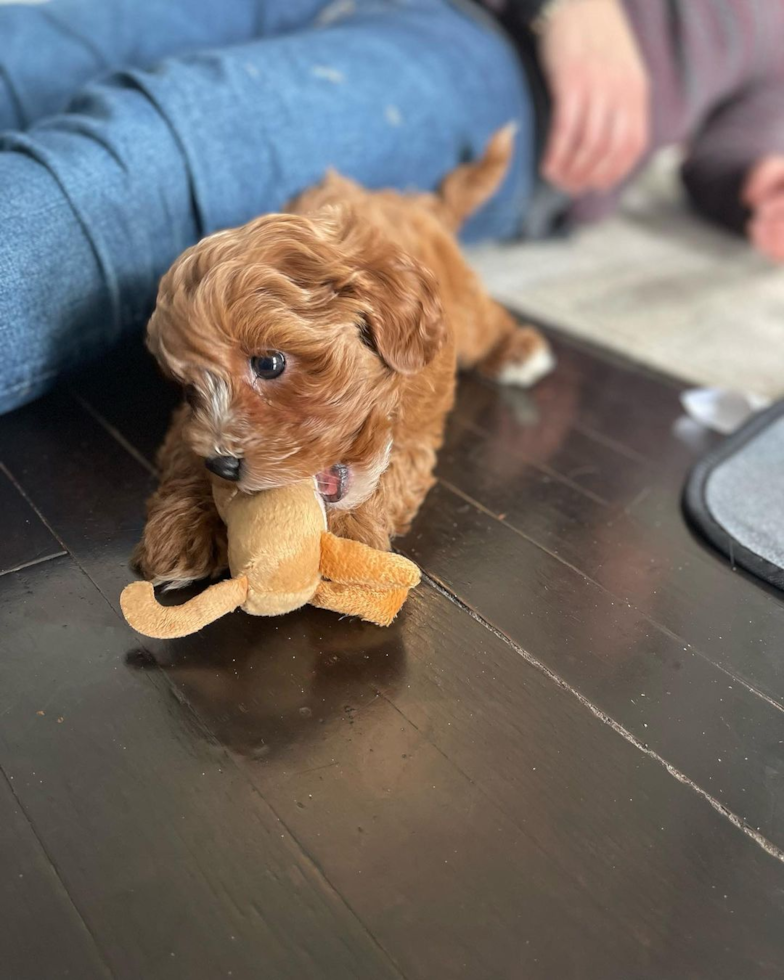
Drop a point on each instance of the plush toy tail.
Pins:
(146, 615)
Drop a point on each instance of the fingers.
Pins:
(592, 145)
(563, 143)
(765, 179)
(599, 83)
(766, 230)
(600, 133)
(769, 242)
(627, 143)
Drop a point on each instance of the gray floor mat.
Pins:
(735, 497)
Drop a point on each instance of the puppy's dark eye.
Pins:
(268, 365)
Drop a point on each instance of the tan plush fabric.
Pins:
(379, 606)
(275, 540)
(281, 557)
(348, 561)
(148, 616)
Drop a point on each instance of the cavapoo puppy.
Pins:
(324, 342)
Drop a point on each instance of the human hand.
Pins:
(763, 194)
(599, 86)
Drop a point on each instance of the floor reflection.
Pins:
(262, 685)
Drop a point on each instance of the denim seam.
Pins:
(15, 100)
(67, 29)
(135, 77)
(20, 143)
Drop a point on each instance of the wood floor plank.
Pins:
(612, 669)
(90, 542)
(96, 504)
(643, 554)
(25, 539)
(128, 390)
(170, 855)
(625, 404)
(482, 821)
(447, 881)
(596, 413)
(539, 430)
(34, 903)
(710, 727)
(559, 512)
(561, 805)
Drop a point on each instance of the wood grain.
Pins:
(562, 761)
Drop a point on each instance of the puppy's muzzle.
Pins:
(226, 467)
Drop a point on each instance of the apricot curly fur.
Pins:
(370, 299)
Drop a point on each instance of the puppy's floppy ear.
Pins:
(404, 322)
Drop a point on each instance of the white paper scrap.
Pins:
(721, 410)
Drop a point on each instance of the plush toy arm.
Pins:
(379, 606)
(146, 615)
(343, 560)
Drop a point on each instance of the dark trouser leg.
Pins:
(740, 133)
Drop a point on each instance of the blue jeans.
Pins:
(207, 114)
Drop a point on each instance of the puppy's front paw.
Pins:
(522, 358)
(164, 556)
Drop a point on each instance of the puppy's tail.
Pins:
(468, 186)
(147, 616)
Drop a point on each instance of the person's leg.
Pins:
(734, 173)
(661, 38)
(733, 92)
(96, 204)
(48, 51)
(715, 81)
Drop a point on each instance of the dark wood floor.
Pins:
(563, 761)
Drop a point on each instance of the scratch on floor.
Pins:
(666, 631)
(641, 496)
(33, 562)
(768, 846)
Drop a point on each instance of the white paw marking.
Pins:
(526, 373)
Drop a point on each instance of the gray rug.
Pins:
(734, 497)
(658, 286)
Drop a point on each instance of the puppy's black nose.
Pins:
(227, 467)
